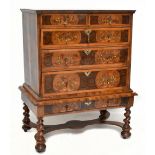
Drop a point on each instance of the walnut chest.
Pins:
(76, 61)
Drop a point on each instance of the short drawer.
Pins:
(68, 20)
(72, 82)
(110, 20)
(85, 58)
(85, 106)
(63, 20)
(84, 37)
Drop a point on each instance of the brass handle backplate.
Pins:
(87, 52)
(87, 32)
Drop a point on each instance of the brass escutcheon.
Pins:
(87, 52)
(87, 32)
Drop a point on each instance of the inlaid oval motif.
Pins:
(71, 37)
(108, 36)
(63, 59)
(66, 82)
(108, 19)
(107, 56)
(107, 79)
(64, 19)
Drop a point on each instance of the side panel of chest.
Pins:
(31, 51)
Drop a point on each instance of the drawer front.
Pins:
(67, 20)
(83, 81)
(67, 38)
(110, 20)
(64, 20)
(73, 58)
(87, 105)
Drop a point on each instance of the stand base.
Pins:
(75, 124)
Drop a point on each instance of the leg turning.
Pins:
(40, 140)
(26, 120)
(126, 127)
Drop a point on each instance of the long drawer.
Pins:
(54, 60)
(64, 38)
(80, 81)
(68, 20)
(85, 106)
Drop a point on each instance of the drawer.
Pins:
(72, 82)
(64, 20)
(85, 58)
(110, 20)
(79, 37)
(68, 20)
(87, 105)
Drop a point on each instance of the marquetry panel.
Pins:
(63, 19)
(106, 79)
(84, 80)
(65, 82)
(53, 59)
(110, 19)
(72, 37)
(62, 59)
(109, 56)
(87, 105)
(115, 36)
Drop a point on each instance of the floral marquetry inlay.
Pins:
(71, 37)
(64, 19)
(66, 82)
(62, 59)
(108, 36)
(107, 79)
(107, 56)
(110, 19)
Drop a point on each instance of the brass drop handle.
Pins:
(88, 103)
(109, 36)
(87, 32)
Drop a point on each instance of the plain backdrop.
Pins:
(96, 139)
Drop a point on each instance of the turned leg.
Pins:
(104, 114)
(26, 120)
(40, 140)
(126, 127)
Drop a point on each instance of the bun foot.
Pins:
(125, 135)
(26, 128)
(104, 114)
(40, 147)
